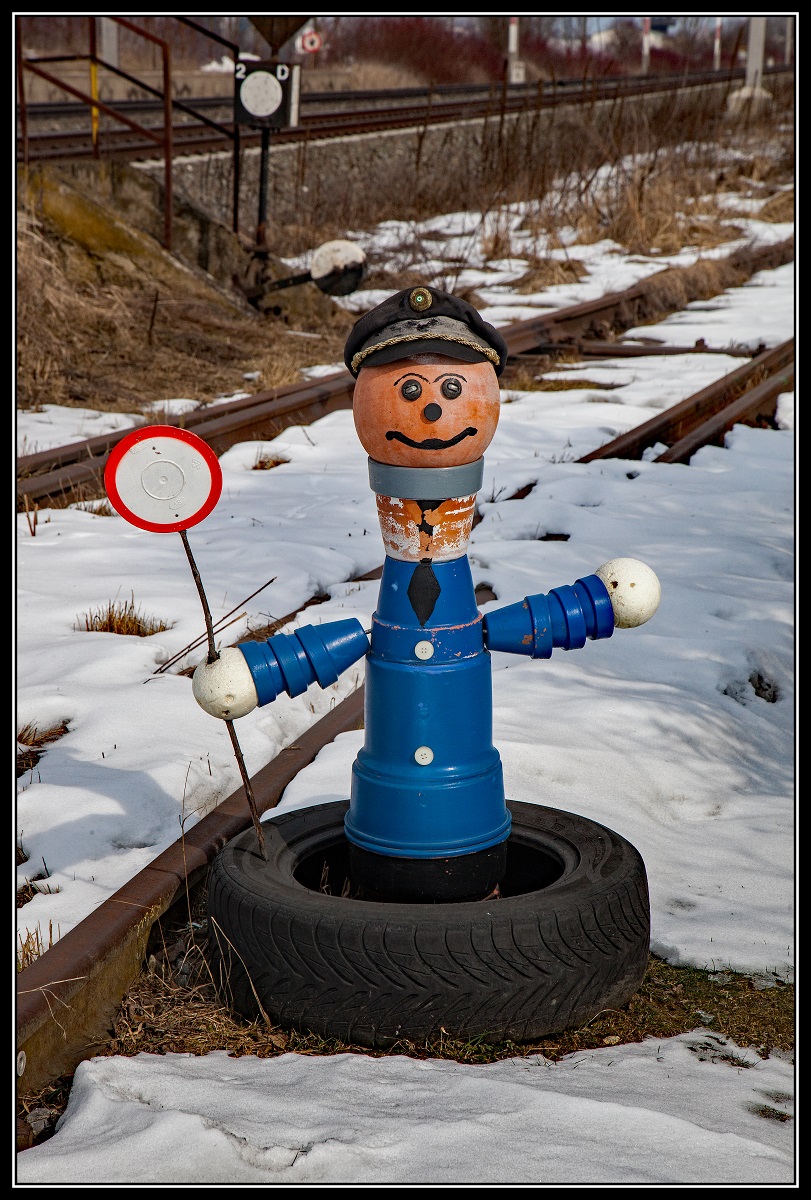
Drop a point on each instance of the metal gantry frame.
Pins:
(162, 138)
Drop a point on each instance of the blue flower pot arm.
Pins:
(290, 662)
(561, 619)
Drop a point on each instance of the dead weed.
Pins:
(31, 743)
(542, 273)
(122, 617)
(779, 208)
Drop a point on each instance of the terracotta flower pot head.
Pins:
(427, 411)
(427, 368)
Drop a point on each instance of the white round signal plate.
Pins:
(261, 94)
(163, 479)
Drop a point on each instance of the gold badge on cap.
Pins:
(420, 299)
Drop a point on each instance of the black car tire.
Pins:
(568, 937)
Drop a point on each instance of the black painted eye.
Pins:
(411, 390)
(451, 388)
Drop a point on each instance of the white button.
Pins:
(424, 755)
(424, 650)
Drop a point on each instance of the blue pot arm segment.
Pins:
(290, 662)
(561, 619)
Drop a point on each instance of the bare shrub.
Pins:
(432, 50)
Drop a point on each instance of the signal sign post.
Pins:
(266, 96)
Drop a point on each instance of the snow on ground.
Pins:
(655, 1113)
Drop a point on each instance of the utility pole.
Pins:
(515, 68)
(108, 41)
(716, 48)
(752, 96)
(754, 52)
(645, 45)
(789, 39)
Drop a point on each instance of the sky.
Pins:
(657, 732)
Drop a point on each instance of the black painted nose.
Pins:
(432, 412)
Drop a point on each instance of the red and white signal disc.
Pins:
(163, 479)
(311, 41)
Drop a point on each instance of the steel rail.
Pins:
(496, 103)
(757, 406)
(56, 109)
(67, 997)
(70, 472)
(744, 395)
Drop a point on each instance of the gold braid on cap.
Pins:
(487, 351)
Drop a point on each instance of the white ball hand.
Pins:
(634, 589)
(225, 688)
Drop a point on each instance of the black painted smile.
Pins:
(430, 443)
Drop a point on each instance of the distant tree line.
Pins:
(437, 50)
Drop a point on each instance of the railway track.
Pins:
(71, 473)
(66, 997)
(365, 99)
(412, 107)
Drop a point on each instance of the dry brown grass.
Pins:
(549, 272)
(33, 944)
(121, 616)
(525, 381)
(173, 1007)
(673, 289)
(780, 208)
(382, 278)
(657, 217)
(265, 462)
(94, 334)
(99, 508)
(33, 742)
(664, 199)
(497, 243)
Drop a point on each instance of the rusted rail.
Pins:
(61, 474)
(393, 97)
(66, 998)
(745, 396)
(75, 472)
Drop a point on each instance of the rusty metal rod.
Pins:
(213, 655)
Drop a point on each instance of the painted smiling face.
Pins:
(430, 410)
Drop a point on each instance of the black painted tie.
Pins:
(423, 590)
